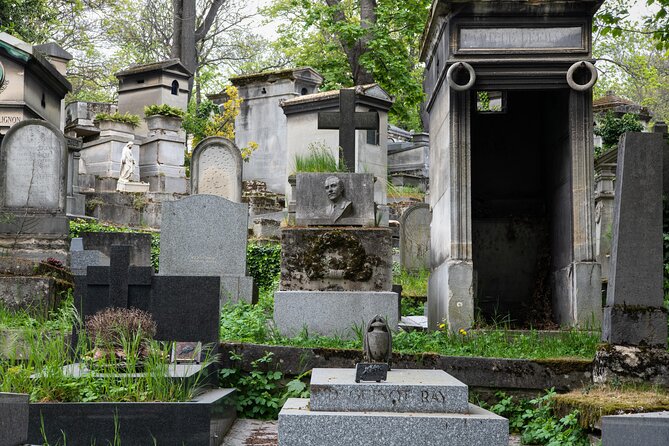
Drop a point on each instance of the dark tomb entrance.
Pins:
(518, 143)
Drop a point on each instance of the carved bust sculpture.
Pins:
(339, 206)
(127, 163)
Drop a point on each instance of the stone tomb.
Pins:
(205, 235)
(415, 237)
(33, 175)
(216, 169)
(429, 407)
(647, 429)
(334, 278)
(335, 199)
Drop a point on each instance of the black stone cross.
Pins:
(347, 120)
(117, 278)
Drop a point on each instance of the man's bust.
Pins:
(339, 206)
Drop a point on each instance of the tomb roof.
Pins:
(173, 64)
(368, 90)
(273, 76)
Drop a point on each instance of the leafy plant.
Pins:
(126, 118)
(264, 263)
(319, 159)
(414, 283)
(610, 128)
(110, 326)
(163, 110)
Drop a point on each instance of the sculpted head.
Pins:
(334, 187)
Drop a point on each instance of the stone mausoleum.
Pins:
(509, 97)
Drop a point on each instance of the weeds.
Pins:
(319, 159)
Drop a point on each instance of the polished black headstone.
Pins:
(371, 371)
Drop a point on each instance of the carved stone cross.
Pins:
(347, 121)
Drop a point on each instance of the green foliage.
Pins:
(197, 116)
(264, 263)
(246, 323)
(414, 283)
(163, 110)
(319, 159)
(535, 420)
(60, 318)
(610, 128)
(126, 118)
(79, 226)
(318, 35)
(262, 392)
(404, 192)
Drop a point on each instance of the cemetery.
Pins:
(440, 222)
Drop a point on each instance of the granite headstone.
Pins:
(634, 314)
(216, 169)
(647, 429)
(335, 199)
(205, 235)
(415, 237)
(13, 419)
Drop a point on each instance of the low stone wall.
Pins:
(477, 373)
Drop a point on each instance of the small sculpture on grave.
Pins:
(377, 350)
(339, 206)
(127, 163)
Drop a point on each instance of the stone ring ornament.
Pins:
(581, 87)
(451, 72)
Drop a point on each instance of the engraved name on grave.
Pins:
(33, 160)
(520, 38)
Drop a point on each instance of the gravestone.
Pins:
(140, 244)
(13, 419)
(415, 237)
(335, 199)
(33, 175)
(205, 235)
(429, 407)
(216, 169)
(647, 429)
(634, 312)
(334, 277)
(81, 259)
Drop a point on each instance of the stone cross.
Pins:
(347, 121)
(119, 276)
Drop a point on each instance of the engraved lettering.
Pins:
(424, 395)
(520, 38)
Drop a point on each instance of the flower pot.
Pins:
(160, 124)
(106, 127)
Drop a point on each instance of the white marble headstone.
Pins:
(216, 169)
(33, 167)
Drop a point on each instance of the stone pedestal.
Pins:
(161, 163)
(132, 186)
(102, 160)
(427, 406)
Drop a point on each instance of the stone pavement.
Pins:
(264, 433)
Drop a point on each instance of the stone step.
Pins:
(299, 426)
(421, 391)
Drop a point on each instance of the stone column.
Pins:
(451, 286)
(605, 175)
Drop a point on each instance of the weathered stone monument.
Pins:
(415, 237)
(216, 169)
(205, 235)
(527, 238)
(33, 175)
(334, 276)
(635, 320)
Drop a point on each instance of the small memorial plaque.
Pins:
(186, 352)
(371, 371)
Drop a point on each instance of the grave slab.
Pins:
(332, 313)
(13, 419)
(647, 429)
(300, 426)
(418, 391)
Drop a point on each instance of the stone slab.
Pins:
(647, 429)
(140, 245)
(355, 207)
(635, 325)
(216, 168)
(631, 364)
(300, 426)
(235, 289)
(13, 419)
(36, 295)
(320, 259)
(415, 237)
(132, 187)
(419, 391)
(332, 313)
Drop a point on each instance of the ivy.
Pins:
(264, 263)
(610, 128)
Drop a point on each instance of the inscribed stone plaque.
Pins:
(415, 237)
(33, 167)
(335, 199)
(203, 235)
(521, 38)
(216, 169)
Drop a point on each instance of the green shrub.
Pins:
(264, 263)
(610, 128)
(126, 118)
(164, 110)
